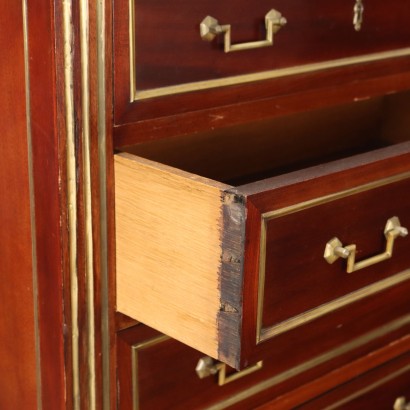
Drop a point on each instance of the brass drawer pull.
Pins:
(401, 404)
(210, 28)
(207, 366)
(335, 250)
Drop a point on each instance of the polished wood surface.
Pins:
(47, 150)
(347, 377)
(18, 371)
(387, 382)
(307, 185)
(231, 106)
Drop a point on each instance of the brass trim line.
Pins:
(136, 95)
(223, 379)
(71, 196)
(265, 333)
(89, 257)
(102, 157)
(135, 349)
(369, 388)
(131, 33)
(310, 364)
(32, 208)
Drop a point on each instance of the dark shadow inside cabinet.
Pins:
(259, 150)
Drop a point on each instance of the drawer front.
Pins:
(296, 289)
(156, 372)
(167, 56)
(170, 52)
(294, 275)
(385, 387)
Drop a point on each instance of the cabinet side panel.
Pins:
(168, 240)
(18, 385)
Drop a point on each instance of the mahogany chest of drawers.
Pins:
(205, 205)
(231, 233)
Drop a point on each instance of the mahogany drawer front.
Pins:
(157, 372)
(385, 387)
(156, 56)
(189, 252)
(294, 274)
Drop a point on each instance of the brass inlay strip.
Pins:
(131, 33)
(135, 349)
(245, 78)
(369, 388)
(89, 257)
(102, 156)
(71, 195)
(32, 208)
(265, 333)
(310, 364)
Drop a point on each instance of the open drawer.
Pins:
(226, 240)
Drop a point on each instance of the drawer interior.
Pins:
(263, 149)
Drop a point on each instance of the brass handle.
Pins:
(335, 250)
(401, 404)
(207, 366)
(210, 28)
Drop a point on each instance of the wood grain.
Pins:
(169, 231)
(47, 150)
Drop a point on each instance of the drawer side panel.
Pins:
(168, 239)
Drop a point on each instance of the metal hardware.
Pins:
(210, 28)
(335, 250)
(401, 404)
(207, 367)
(358, 11)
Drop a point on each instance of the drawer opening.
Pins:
(246, 153)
